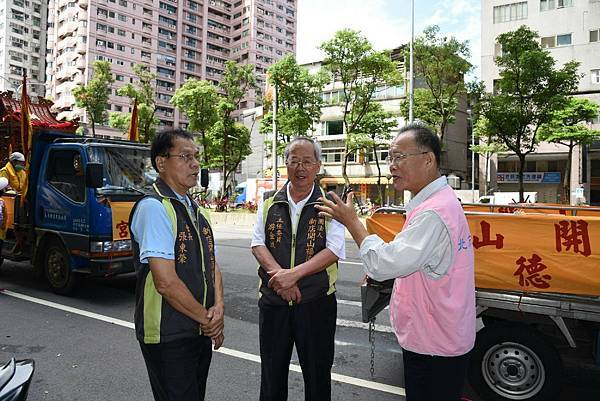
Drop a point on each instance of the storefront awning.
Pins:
(354, 180)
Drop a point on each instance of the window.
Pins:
(548, 41)
(510, 12)
(554, 41)
(595, 75)
(563, 40)
(65, 174)
(334, 127)
(119, 77)
(595, 35)
(546, 5)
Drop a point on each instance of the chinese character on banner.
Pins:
(486, 240)
(573, 234)
(123, 229)
(529, 273)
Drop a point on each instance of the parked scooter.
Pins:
(15, 378)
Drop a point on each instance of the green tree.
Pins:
(352, 61)
(299, 99)
(199, 100)
(486, 147)
(424, 108)
(442, 64)
(373, 133)
(93, 97)
(568, 127)
(120, 121)
(143, 91)
(530, 89)
(229, 137)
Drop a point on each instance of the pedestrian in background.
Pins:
(179, 291)
(14, 172)
(432, 309)
(3, 213)
(298, 253)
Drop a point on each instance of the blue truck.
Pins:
(74, 218)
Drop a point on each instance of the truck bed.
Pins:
(585, 308)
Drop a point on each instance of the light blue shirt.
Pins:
(152, 229)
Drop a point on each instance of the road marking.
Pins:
(361, 325)
(351, 303)
(386, 388)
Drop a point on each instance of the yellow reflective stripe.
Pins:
(266, 206)
(152, 311)
(205, 213)
(166, 202)
(332, 273)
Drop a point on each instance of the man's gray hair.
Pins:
(316, 145)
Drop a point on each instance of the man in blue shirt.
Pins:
(179, 292)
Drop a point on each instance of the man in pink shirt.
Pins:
(432, 309)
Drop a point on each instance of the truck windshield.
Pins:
(125, 169)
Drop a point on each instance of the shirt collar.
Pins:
(429, 189)
(289, 196)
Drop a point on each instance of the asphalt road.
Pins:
(85, 349)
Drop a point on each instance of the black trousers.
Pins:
(311, 326)
(434, 378)
(178, 369)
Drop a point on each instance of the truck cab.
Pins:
(75, 218)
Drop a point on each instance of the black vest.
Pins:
(291, 249)
(156, 321)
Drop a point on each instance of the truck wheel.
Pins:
(515, 363)
(57, 269)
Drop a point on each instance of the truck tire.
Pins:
(515, 363)
(57, 268)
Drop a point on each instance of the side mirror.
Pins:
(204, 178)
(94, 175)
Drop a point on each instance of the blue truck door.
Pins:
(62, 198)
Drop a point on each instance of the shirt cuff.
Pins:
(156, 254)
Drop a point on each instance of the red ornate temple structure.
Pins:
(41, 119)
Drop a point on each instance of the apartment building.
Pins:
(177, 40)
(569, 30)
(23, 45)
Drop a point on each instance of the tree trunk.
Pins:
(487, 166)
(567, 177)
(521, 185)
(344, 167)
(379, 186)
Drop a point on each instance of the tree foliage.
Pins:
(232, 140)
(199, 99)
(143, 90)
(93, 97)
(529, 91)
(352, 62)
(374, 132)
(567, 127)
(441, 62)
(299, 99)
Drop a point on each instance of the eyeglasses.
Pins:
(400, 157)
(186, 157)
(304, 163)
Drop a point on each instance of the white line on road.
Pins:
(351, 303)
(386, 388)
(361, 325)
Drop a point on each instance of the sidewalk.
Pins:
(244, 220)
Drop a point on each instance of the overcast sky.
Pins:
(385, 23)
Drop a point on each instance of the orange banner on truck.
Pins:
(120, 220)
(525, 252)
